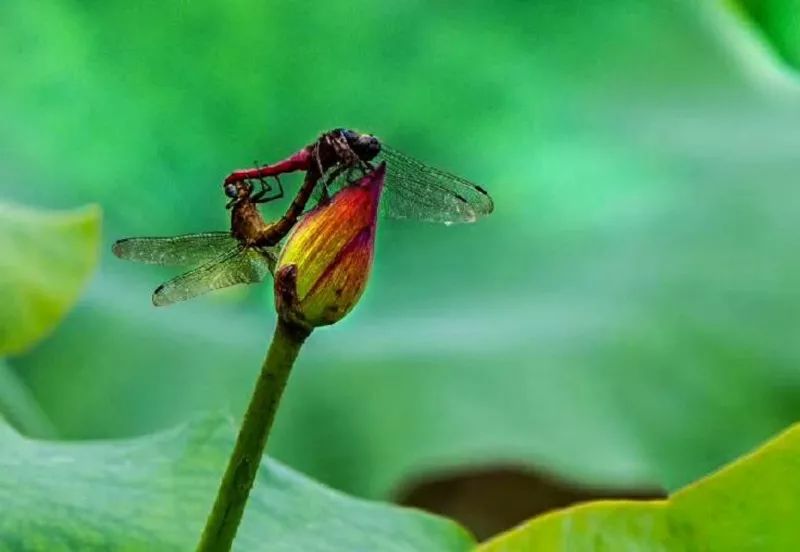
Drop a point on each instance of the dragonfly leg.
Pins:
(264, 186)
(325, 194)
(261, 177)
(280, 188)
(317, 159)
(261, 196)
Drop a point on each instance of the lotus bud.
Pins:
(324, 265)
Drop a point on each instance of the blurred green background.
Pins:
(626, 319)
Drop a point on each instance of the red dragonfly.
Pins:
(340, 157)
(222, 259)
(248, 252)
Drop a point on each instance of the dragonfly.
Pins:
(220, 259)
(341, 156)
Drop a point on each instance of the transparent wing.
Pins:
(415, 190)
(188, 249)
(241, 265)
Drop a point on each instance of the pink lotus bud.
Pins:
(323, 267)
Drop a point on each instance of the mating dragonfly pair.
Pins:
(338, 158)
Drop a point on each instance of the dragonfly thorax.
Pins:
(247, 224)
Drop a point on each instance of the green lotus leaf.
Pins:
(154, 492)
(46, 259)
(750, 505)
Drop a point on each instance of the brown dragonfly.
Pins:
(340, 157)
(222, 259)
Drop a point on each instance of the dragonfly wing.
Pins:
(188, 249)
(240, 265)
(415, 190)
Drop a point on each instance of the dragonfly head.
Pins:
(366, 146)
(238, 190)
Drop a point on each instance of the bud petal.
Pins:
(323, 268)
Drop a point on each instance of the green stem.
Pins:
(20, 408)
(224, 519)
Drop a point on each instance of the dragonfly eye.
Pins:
(367, 147)
(231, 191)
